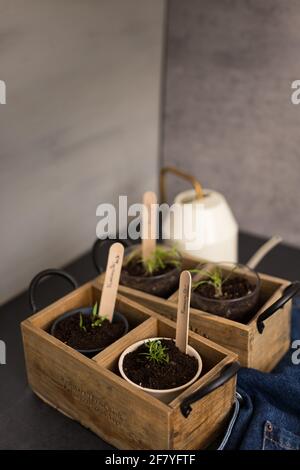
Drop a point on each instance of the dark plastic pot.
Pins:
(163, 285)
(160, 286)
(87, 311)
(238, 309)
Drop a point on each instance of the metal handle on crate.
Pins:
(289, 292)
(46, 273)
(226, 374)
(171, 169)
(98, 245)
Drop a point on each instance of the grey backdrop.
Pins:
(227, 115)
(80, 125)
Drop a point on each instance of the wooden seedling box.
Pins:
(260, 351)
(91, 391)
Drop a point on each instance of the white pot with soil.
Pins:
(158, 367)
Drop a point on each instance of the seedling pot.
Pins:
(85, 311)
(164, 395)
(118, 317)
(162, 285)
(237, 309)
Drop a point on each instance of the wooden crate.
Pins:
(260, 351)
(91, 391)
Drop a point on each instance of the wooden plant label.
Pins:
(149, 221)
(183, 311)
(111, 281)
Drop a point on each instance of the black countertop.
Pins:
(25, 421)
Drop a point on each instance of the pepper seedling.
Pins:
(159, 259)
(97, 320)
(156, 352)
(81, 323)
(213, 278)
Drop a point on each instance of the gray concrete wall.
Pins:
(228, 117)
(80, 125)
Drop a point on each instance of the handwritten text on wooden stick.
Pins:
(111, 281)
(183, 311)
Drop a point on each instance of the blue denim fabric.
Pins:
(269, 416)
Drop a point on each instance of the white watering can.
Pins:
(203, 224)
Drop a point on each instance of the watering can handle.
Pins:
(181, 174)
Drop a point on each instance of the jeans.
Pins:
(269, 412)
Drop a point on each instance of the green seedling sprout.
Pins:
(81, 324)
(159, 259)
(156, 352)
(97, 320)
(214, 278)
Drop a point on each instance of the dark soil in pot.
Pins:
(163, 282)
(233, 288)
(137, 269)
(68, 331)
(180, 369)
(237, 302)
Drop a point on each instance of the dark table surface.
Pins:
(25, 421)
